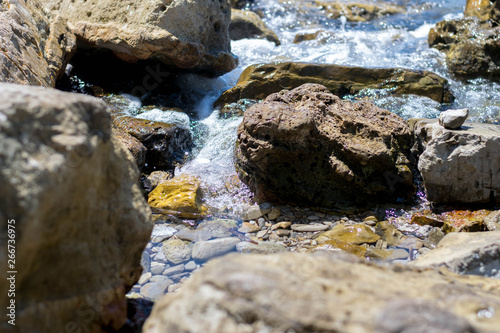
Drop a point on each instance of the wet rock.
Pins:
(471, 47)
(205, 250)
(259, 81)
(256, 211)
(165, 143)
(307, 146)
(281, 225)
(466, 253)
(302, 37)
(247, 227)
(179, 196)
(492, 221)
(154, 290)
(247, 24)
(177, 251)
(80, 218)
(358, 11)
(427, 218)
(353, 234)
(174, 270)
(485, 10)
(335, 245)
(464, 220)
(133, 145)
(261, 248)
(453, 119)
(323, 293)
(240, 3)
(459, 166)
(309, 227)
(194, 235)
(190, 35)
(35, 46)
(389, 233)
(157, 177)
(218, 228)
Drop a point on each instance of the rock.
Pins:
(302, 37)
(261, 248)
(358, 11)
(322, 293)
(247, 227)
(133, 145)
(334, 245)
(205, 250)
(165, 143)
(459, 166)
(389, 233)
(177, 251)
(157, 177)
(466, 253)
(81, 222)
(247, 24)
(194, 235)
(492, 221)
(157, 268)
(256, 211)
(259, 81)
(174, 270)
(274, 213)
(453, 119)
(471, 47)
(179, 196)
(353, 234)
(309, 227)
(218, 228)
(283, 232)
(464, 220)
(485, 10)
(186, 34)
(307, 146)
(36, 47)
(156, 289)
(281, 225)
(240, 3)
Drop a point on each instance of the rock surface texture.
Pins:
(309, 147)
(247, 24)
(186, 34)
(358, 11)
(81, 222)
(34, 49)
(322, 293)
(466, 253)
(259, 81)
(459, 166)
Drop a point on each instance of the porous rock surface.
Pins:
(459, 166)
(307, 146)
(325, 293)
(186, 34)
(34, 48)
(81, 222)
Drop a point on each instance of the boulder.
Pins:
(485, 10)
(453, 119)
(475, 253)
(185, 34)
(459, 166)
(360, 10)
(247, 24)
(34, 48)
(307, 146)
(471, 46)
(259, 81)
(71, 192)
(166, 144)
(292, 292)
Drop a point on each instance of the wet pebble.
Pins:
(213, 248)
(309, 227)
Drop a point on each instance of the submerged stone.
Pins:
(354, 234)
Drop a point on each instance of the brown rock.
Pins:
(485, 10)
(133, 145)
(353, 234)
(323, 293)
(81, 222)
(247, 24)
(307, 146)
(359, 11)
(34, 47)
(259, 81)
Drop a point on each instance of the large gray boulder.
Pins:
(186, 34)
(81, 222)
(459, 166)
(308, 147)
(35, 48)
(291, 292)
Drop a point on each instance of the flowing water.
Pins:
(395, 41)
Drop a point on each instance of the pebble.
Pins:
(261, 248)
(218, 227)
(262, 233)
(309, 227)
(281, 225)
(248, 227)
(157, 268)
(145, 278)
(177, 251)
(283, 232)
(398, 254)
(254, 212)
(213, 248)
(190, 266)
(155, 289)
(274, 213)
(174, 270)
(261, 222)
(194, 235)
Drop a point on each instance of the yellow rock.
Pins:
(180, 196)
(354, 234)
(332, 245)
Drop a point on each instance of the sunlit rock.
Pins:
(360, 10)
(353, 234)
(453, 119)
(247, 24)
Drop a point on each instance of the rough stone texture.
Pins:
(461, 166)
(353, 234)
(360, 10)
(34, 49)
(179, 196)
(472, 47)
(466, 253)
(165, 143)
(309, 147)
(247, 24)
(80, 219)
(134, 146)
(187, 34)
(492, 221)
(320, 293)
(485, 10)
(204, 250)
(453, 119)
(177, 251)
(258, 81)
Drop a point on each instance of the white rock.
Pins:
(453, 119)
(204, 250)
